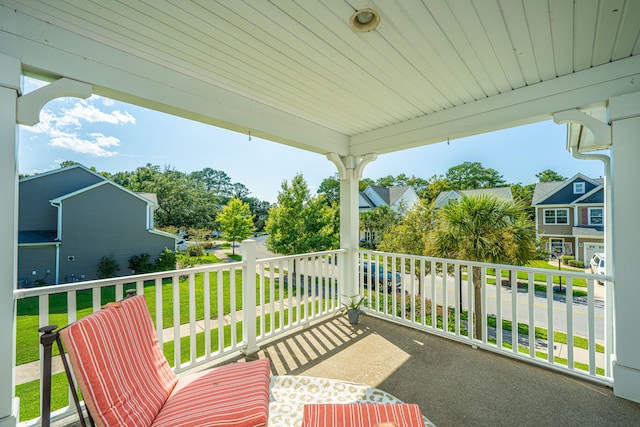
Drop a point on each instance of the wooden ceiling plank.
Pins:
(494, 25)
(539, 25)
(562, 36)
(628, 42)
(475, 33)
(609, 17)
(520, 33)
(586, 14)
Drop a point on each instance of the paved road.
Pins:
(541, 318)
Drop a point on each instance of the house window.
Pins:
(578, 188)
(596, 216)
(556, 216)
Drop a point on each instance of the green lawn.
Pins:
(27, 337)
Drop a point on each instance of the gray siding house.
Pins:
(71, 217)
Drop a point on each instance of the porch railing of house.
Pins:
(220, 310)
(216, 311)
(560, 322)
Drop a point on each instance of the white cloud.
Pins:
(64, 127)
(94, 147)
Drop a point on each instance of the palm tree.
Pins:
(487, 229)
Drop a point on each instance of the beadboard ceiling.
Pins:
(297, 73)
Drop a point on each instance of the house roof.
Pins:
(586, 232)
(499, 192)
(60, 170)
(390, 195)
(299, 74)
(544, 190)
(100, 184)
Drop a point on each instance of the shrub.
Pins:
(576, 263)
(195, 250)
(567, 258)
(166, 261)
(141, 264)
(107, 267)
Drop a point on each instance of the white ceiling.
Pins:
(295, 72)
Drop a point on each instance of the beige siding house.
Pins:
(570, 216)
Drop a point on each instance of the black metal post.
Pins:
(47, 339)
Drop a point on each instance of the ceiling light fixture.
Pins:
(365, 20)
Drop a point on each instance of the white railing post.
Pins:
(248, 248)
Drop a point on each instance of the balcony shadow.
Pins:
(452, 383)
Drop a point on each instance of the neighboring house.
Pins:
(570, 216)
(71, 217)
(397, 198)
(447, 196)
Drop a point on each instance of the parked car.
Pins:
(381, 277)
(597, 264)
(182, 245)
(213, 235)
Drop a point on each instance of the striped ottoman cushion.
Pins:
(232, 395)
(120, 368)
(361, 415)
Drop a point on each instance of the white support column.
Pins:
(350, 172)
(624, 115)
(10, 70)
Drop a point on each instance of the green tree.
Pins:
(487, 229)
(410, 234)
(436, 185)
(377, 222)
(364, 183)
(524, 194)
(299, 223)
(472, 175)
(548, 175)
(236, 221)
(330, 188)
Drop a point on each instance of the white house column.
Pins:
(10, 69)
(624, 115)
(349, 172)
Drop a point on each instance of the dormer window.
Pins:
(578, 188)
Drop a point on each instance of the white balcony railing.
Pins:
(564, 319)
(201, 314)
(209, 313)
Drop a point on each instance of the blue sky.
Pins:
(114, 136)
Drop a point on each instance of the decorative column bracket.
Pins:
(576, 139)
(351, 166)
(29, 105)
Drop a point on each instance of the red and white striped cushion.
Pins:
(232, 395)
(120, 368)
(361, 415)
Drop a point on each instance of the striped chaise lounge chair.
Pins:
(125, 379)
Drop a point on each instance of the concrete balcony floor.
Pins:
(454, 384)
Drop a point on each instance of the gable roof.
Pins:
(499, 192)
(596, 195)
(544, 190)
(60, 170)
(100, 184)
(390, 195)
